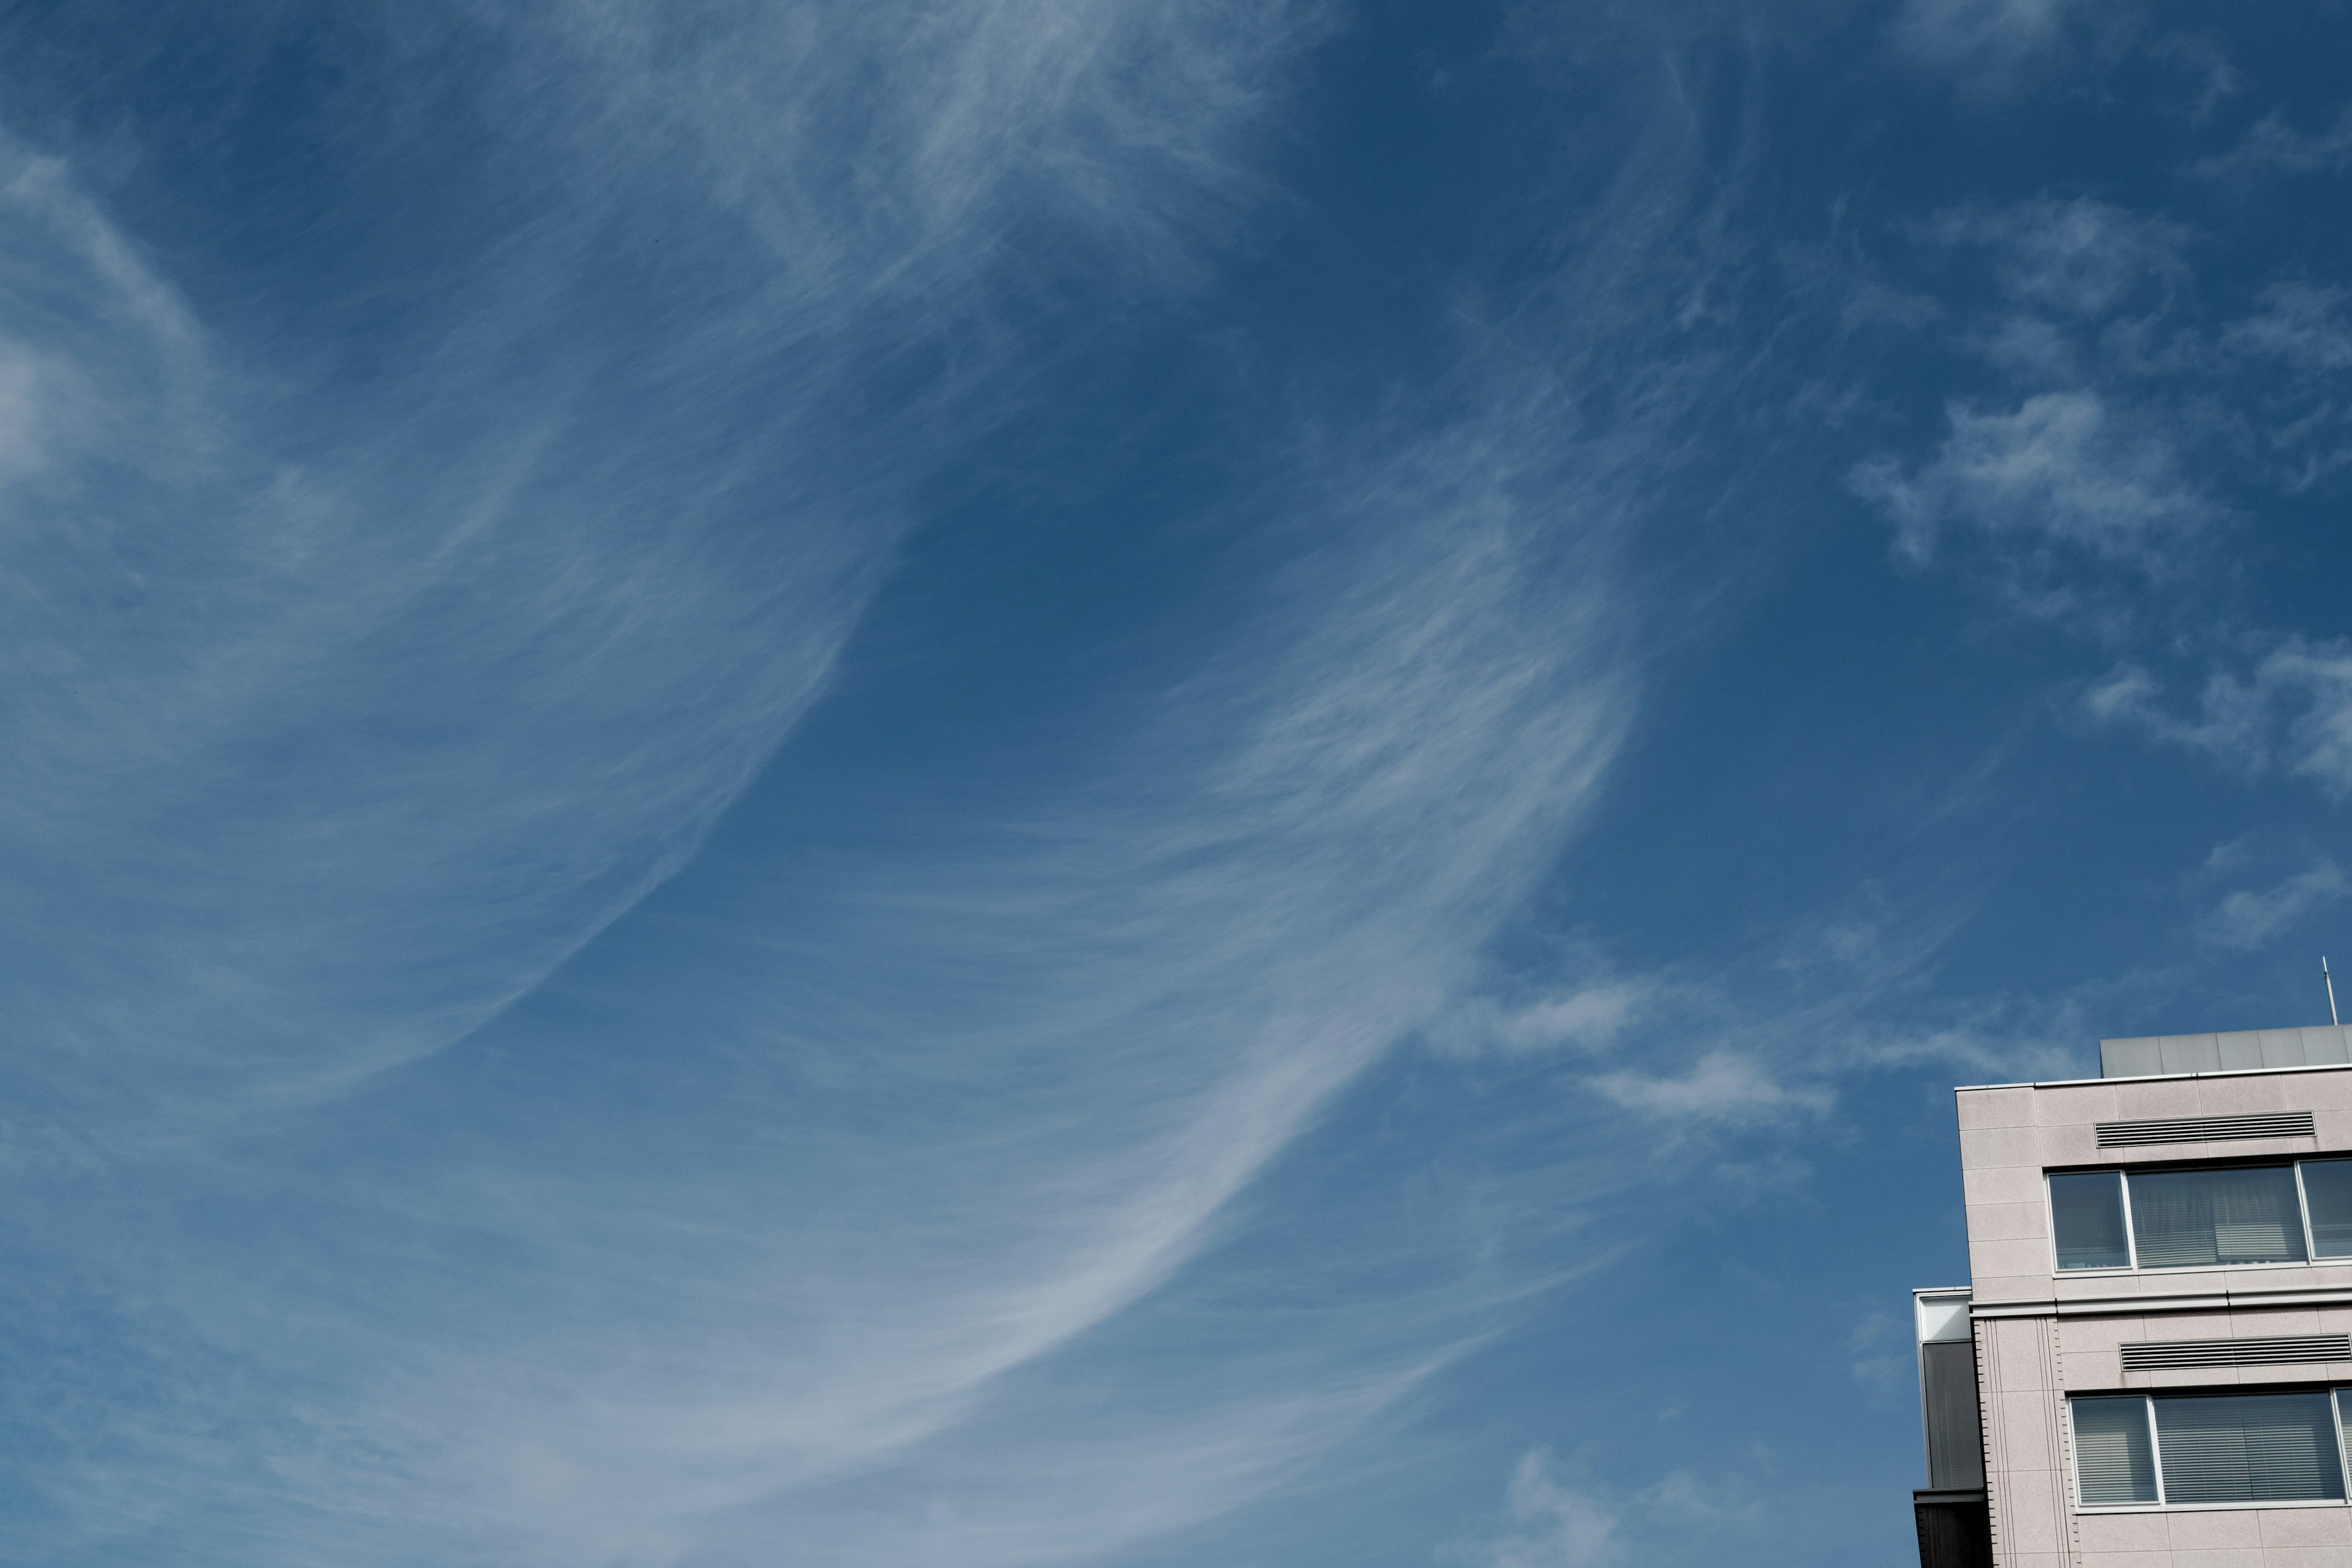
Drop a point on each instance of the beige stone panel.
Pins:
(2120, 1289)
(2026, 1441)
(2253, 1322)
(2083, 1334)
(2240, 1096)
(2077, 1103)
(2002, 1559)
(1999, 1258)
(2306, 1526)
(2020, 1353)
(2308, 1556)
(2217, 1557)
(2029, 1511)
(2123, 1532)
(2327, 1275)
(2296, 1371)
(2089, 1371)
(2334, 1128)
(2161, 1558)
(2330, 1090)
(2236, 1148)
(2003, 1184)
(2075, 1144)
(2211, 1282)
(2204, 1529)
(1997, 1290)
(2148, 1101)
(2212, 1325)
(2180, 1377)
(1994, 1108)
(1983, 1147)
(2008, 1221)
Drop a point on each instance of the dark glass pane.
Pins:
(2182, 1219)
(2087, 1212)
(2247, 1447)
(2113, 1461)
(2327, 1189)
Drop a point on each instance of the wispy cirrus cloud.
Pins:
(1988, 38)
(2253, 917)
(427, 680)
(2274, 147)
(1152, 986)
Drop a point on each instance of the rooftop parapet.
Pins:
(2147, 1056)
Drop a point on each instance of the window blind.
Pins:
(2247, 1447)
(2184, 1218)
(2113, 1460)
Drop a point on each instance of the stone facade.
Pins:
(2041, 1336)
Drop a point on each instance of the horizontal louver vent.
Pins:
(2237, 1352)
(2205, 1128)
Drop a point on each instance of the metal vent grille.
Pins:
(2205, 1128)
(2157, 1353)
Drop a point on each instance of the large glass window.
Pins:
(2247, 1447)
(2086, 1213)
(2327, 1189)
(2208, 1448)
(2183, 1218)
(2201, 1218)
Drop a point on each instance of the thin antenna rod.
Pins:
(2331, 993)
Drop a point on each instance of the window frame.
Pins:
(2337, 1403)
(2131, 1231)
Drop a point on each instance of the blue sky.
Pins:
(1080, 783)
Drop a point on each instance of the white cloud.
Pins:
(2218, 81)
(1989, 36)
(2078, 257)
(2302, 324)
(1722, 1087)
(1589, 1017)
(2292, 712)
(2272, 147)
(1559, 1526)
(1558, 1520)
(2253, 917)
(2315, 678)
(2062, 465)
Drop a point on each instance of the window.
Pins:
(2086, 1211)
(2207, 1218)
(2327, 1189)
(2182, 1219)
(2176, 1449)
(2115, 1451)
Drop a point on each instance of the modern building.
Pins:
(2151, 1364)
